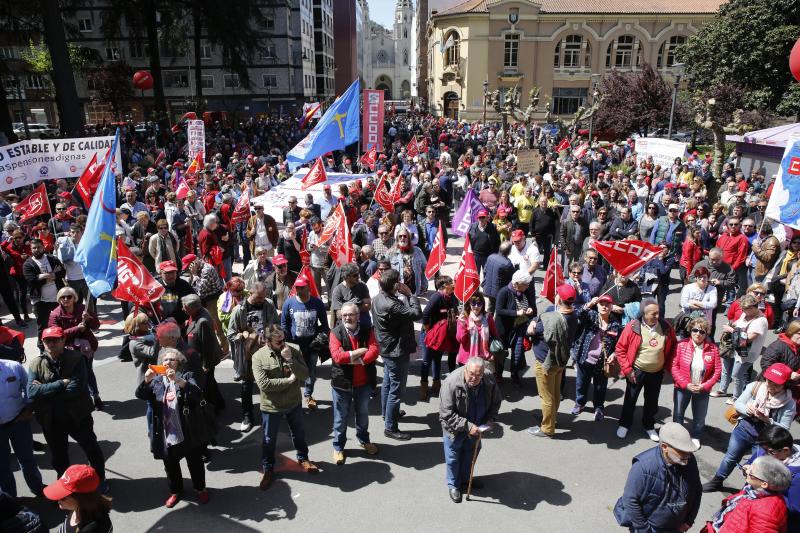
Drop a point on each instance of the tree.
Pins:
(637, 101)
(747, 44)
(112, 86)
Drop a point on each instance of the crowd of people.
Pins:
(234, 289)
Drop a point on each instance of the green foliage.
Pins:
(38, 58)
(747, 44)
(112, 86)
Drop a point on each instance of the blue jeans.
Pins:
(310, 357)
(342, 402)
(741, 441)
(432, 361)
(590, 374)
(699, 401)
(737, 371)
(516, 343)
(228, 264)
(395, 374)
(18, 435)
(458, 458)
(270, 423)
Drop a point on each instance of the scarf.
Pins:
(790, 257)
(478, 336)
(763, 401)
(785, 339)
(748, 493)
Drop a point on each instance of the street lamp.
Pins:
(485, 97)
(595, 78)
(677, 70)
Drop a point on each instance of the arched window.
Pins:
(452, 48)
(573, 51)
(382, 56)
(624, 52)
(666, 54)
(405, 57)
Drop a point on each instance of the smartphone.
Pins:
(158, 369)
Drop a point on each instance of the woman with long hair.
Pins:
(475, 330)
(437, 321)
(76, 492)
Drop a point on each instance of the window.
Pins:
(573, 51)
(405, 57)
(621, 52)
(36, 81)
(566, 101)
(207, 81)
(231, 81)
(382, 56)
(666, 54)
(139, 49)
(174, 79)
(85, 25)
(205, 51)
(511, 54)
(452, 49)
(270, 24)
(269, 80)
(112, 53)
(268, 52)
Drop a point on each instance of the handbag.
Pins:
(497, 349)
(611, 368)
(726, 350)
(732, 415)
(321, 345)
(438, 338)
(202, 422)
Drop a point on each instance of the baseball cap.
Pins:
(167, 266)
(483, 213)
(675, 435)
(55, 332)
(301, 282)
(778, 373)
(188, 259)
(279, 259)
(566, 292)
(606, 299)
(517, 235)
(673, 206)
(82, 479)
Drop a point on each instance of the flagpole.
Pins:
(154, 311)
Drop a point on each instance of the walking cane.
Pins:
(472, 466)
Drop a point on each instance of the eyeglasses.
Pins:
(402, 237)
(759, 293)
(477, 303)
(576, 272)
(163, 227)
(699, 330)
(66, 297)
(748, 225)
(60, 209)
(383, 233)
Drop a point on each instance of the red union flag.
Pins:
(34, 204)
(332, 224)
(316, 174)
(341, 247)
(383, 196)
(423, 146)
(397, 189)
(242, 210)
(134, 283)
(627, 256)
(467, 279)
(90, 178)
(581, 150)
(372, 120)
(438, 255)
(369, 158)
(412, 148)
(306, 274)
(563, 145)
(552, 278)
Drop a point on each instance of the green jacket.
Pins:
(278, 394)
(52, 398)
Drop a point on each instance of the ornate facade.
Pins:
(387, 62)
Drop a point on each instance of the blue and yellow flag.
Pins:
(338, 127)
(97, 251)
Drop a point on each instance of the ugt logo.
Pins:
(794, 166)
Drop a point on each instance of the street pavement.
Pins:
(570, 483)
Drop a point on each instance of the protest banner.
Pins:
(196, 137)
(529, 161)
(372, 120)
(663, 151)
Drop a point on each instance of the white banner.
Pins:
(196, 134)
(27, 162)
(663, 151)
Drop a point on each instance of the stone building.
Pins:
(387, 63)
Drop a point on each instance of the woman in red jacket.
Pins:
(691, 253)
(759, 507)
(695, 369)
(759, 290)
(18, 251)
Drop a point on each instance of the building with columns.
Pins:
(557, 45)
(387, 53)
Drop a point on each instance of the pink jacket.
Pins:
(462, 337)
(682, 364)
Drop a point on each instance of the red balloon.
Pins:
(794, 60)
(143, 80)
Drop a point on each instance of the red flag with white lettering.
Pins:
(134, 283)
(242, 210)
(397, 189)
(627, 256)
(369, 158)
(467, 279)
(553, 277)
(383, 195)
(316, 174)
(306, 274)
(90, 179)
(423, 146)
(563, 145)
(332, 224)
(412, 148)
(34, 204)
(341, 247)
(438, 255)
(581, 150)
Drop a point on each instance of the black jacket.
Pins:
(571, 243)
(505, 310)
(31, 272)
(484, 242)
(342, 375)
(394, 324)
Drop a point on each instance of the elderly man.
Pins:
(354, 351)
(133, 205)
(624, 225)
(409, 261)
(644, 349)
(279, 283)
(262, 231)
(175, 288)
(246, 329)
(208, 285)
(352, 290)
(469, 399)
(201, 338)
(279, 370)
(57, 384)
(663, 489)
(594, 274)
(573, 231)
(394, 330)
(383, 243)
(523, 254)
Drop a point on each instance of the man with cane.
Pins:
(470, 400)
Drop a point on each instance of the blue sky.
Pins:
(382, 12)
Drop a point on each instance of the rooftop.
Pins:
(593, 6)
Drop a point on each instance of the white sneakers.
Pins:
(696, 442)
(246, 426)
(622, 432)
(653, 435)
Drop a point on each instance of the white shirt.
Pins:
(758, 325)
(49, 289)
(526, 258)
(707, 298)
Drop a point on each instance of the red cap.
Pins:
(82, 479)
(326, 187)
(54, 332)
(301, 282)
(777, 373)
(502, 211)
(566, 292)
(683, 185)
(517, 235)
(606, 299)
(669, 185)
(167, 266)
(178, 164)
(595, 193)
(483, 213)
(188, 259)
(279, 260)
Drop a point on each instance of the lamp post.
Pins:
(677, 70)
(595, 78)
(485, 97)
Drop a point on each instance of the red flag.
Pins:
(397, 189)
(383, 196)
(316, 174)
(90, 179)
(182, 190)
(563, 145)
(438, 255)
(309, 115)
(34, 204)
(423, 146)
(369, 158)
(195, 166)
(627, 256)
(412, 148)
(552, 278)
(306, 274)
(134, 283)
(341, 247)
(160, 158)
(581, 150)
(467, 279)
(242, 210)
(332, 224)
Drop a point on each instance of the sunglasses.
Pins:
(698, 330)
(759, 293)
(476, 304)
(66, 297)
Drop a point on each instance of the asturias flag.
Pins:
(339, 126)
(97, 251)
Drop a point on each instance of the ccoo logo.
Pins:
(43, 170)
(9, 180)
